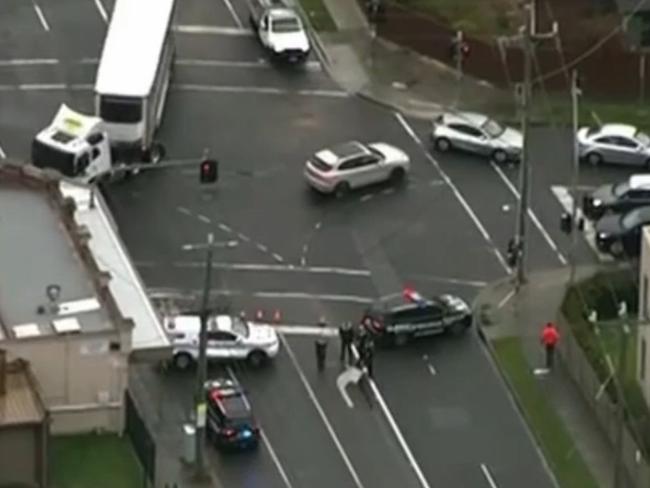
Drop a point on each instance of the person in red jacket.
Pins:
(550, 337)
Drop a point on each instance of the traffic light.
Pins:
(209, 171)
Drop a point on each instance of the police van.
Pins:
(418, 317)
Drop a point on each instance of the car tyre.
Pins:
(616, 249)
(442, 144)
(499, 156)
(342, 189)
(256, 358)
(155, 153)
(594, 159)
(397, 175)
(183, 361)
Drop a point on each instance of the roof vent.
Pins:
(26, 330)
(64, 326)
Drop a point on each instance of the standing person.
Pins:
(549, 338)
(368, 356)
(346, 334)
(321, 345)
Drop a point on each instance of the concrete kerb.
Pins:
(490, 353)
(313, 34)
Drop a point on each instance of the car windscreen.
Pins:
(492, 128)
(45, 156)
(643, 138)
(285, 24)
(240, 327)
(621, 188)
(236, 409)
(124, 110)
(637, 217)
(320, 164)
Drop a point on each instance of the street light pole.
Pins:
(575, 176)
(202, 366)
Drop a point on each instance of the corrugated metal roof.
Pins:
(20, 404)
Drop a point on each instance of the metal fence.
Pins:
(582, 373)
(143, 443)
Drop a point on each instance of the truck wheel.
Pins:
(256, 359)
(183, 361)
(155, 153)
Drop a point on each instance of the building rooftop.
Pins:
(50, 281)
(20, 402)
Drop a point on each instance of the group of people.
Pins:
(357, 347)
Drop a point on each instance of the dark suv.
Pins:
(400, 323)
(230, 421)
(618, 197)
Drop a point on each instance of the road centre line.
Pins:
(234, 14)
(3, 155)
(41, 16)
(321, 412)
(28, 62)
(409, 130)
(549, 240)
(431, 369)
(221, 63)
(265, 267)
(159, 293)
(262, 90)
(488, 476)
(203, 218)
(102, 10)
(212, 30)
(265, 440)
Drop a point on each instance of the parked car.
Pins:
(478, 134)
(280, 30)
(614, 143)
(230, 421)
(229, 338)
(419, 317)
(353, 165)
(618, 197)
(620, 234)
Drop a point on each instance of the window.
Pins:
(604, 140)
(467, 130)
(643, 138)
(82, 162)
(286, 24)
(240, 327)
(621, 188)
(95, 153)
(642, 359)
(366, 161)
(492, 128)
(349, 164)
(625, 142)
(220, 336)
(44, 156)
(120, 109)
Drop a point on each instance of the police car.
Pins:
(418, 317)
(230, 422)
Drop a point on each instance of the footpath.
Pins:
(421, 88)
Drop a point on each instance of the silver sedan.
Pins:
(614, 143)
(478, 134)
(350, 165)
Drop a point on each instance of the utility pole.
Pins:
(529, 38)
(202, 366)
(575, 175)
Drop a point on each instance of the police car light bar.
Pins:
(412, 296)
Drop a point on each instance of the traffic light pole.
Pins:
(529, 37)
(202, 366)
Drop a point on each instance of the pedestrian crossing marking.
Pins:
(566, 200)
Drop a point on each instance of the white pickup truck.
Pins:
(280, 30)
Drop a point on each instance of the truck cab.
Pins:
(280, 30)
(74, 144)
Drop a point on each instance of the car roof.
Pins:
(192, 323)
(349, 149)
(639, 181)
(282, 13)
(232, 401)
(624, 130)
(473, 118)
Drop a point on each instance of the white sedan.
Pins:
(229, 338)
(614, 143)
(354, 165)
(478, 134)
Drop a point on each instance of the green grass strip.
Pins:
(93, 461)
(319, 16)
(556, 443)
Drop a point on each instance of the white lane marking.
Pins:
(365, 198)
(221, 63)
(456, 192)
(563, 195)
(3, 155)
(506, 299)
(262, 247)
(431, 369)
(225, 228)
(265, 440)
(243, 237)
(396, 431)
(453, 281)
(41, 16)
(488, 476)
(183, 210)
(324, 93)
(549, 240)
(388, 191)
(303, 261)
(306, 330)
(42, 86)
(211, 29)
(178, 293)
(321, 412)
(260, 267)
(203, 218)
(28, 62)
(278, 258)
(102, 10)
(234, 14)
